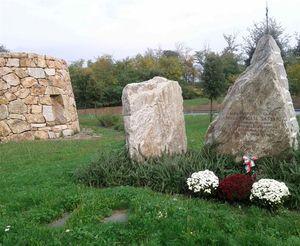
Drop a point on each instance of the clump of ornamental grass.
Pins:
(169, 174)
(166, 174)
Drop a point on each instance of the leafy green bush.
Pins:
(111, 121)
(169, 174)
(191, 91)
(111, 96)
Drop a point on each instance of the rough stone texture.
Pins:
(41, 134)
(18, 126)
(2, 62)
(3, 85)
(32, 104)
(50, 71)
(258, 116)
(153, 118)
(3, 112)
(17, 107)
(35, 118)
(9, 96)
(17, 116)
(11, 79)
(4, 129)
(37, 73)
(48, 113)
(22, 93)
(13, 62)
(29, 82)
(31, 100)
(25, 136)
(36, 109)
(67, 133)
(4, 71)
(21, 72)
(38, 125)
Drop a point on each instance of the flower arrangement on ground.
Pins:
(236, 187)
(203, 182)
(269, 193)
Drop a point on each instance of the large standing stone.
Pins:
(258, 114)
(153, 118)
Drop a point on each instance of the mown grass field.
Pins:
(200, 101)
(37, 187)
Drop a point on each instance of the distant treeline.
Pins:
(100, 82)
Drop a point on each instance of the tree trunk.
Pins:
(211, 110)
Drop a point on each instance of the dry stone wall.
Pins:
(36, 98)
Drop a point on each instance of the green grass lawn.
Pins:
(196, 101)
(37, 187)
(196, 127)
(199, 101)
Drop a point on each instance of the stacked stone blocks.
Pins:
(36, 98)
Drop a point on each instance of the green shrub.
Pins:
(191, 91)
(111, 121)
(111, 96)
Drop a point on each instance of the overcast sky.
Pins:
(74, 29)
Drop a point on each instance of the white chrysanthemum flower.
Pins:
(203, 182)
(269, 192)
